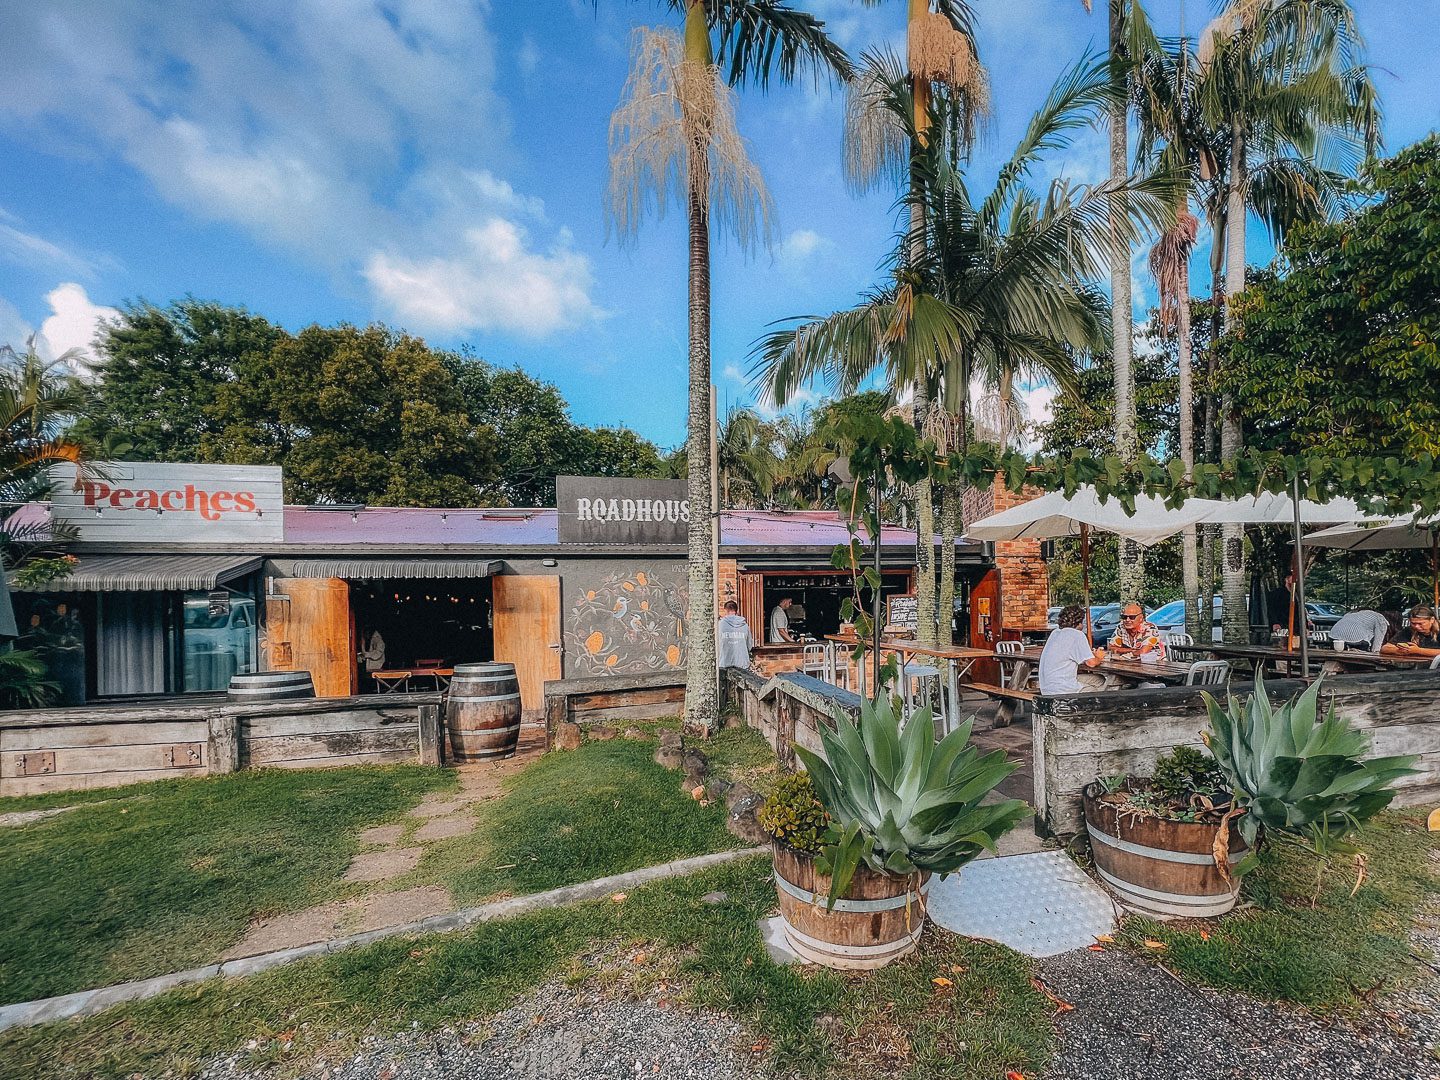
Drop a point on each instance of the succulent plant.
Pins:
(793, 815)
(899, 801)
(1296, 775)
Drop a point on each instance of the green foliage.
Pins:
(794, 816)
(25, 681)
(43, 569)
(1338, 349)
(1296, 776)
(1086, 417)
(1186, 771)
(902, 803)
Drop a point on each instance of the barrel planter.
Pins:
(262, 686)
(1157, 866)
(876, 920)
(482, 712)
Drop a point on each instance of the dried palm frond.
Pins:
(675, 133)
(876, 144)
(1169, 259)
(1240, 15)
(999, 417)
(940, 53)
(942, 427)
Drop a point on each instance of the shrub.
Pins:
(793, 816)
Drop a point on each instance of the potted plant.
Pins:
(1154, 839)
(1178, 842)
(898, 808)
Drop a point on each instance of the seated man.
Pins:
(1363, 630)
(1066, 651)
(1137, 638)
(1421, 637)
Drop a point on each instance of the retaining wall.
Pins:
(1080, 738)
(104, 746)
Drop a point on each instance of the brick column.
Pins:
(1024, 578)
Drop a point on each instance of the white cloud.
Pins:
(72, 324)
(493, 282)
(528, 58)
(733, 373)
(802, 244)
(341, 132)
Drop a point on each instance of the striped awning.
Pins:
(378, 569)
(149, 573)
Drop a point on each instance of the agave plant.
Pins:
(902, 803)
(1295, 775)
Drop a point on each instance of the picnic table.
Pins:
(1323, 660)
(1128, 672)
(398, 680)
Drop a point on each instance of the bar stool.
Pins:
(918, 681)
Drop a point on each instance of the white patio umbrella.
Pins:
(1387, 534)
(1054, 515)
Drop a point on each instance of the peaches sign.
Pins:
(128, 502)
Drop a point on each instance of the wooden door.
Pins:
(527, 634)
(985, 624)
(752, 604)
(308, 628)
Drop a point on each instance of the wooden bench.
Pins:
(1010, 700)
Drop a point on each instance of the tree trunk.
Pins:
(1189, 553)
(1210, 534)
(701, 679)
(926, 631)
(1132, 566)
(1235, 582)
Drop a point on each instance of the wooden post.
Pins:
(557, 712)
(223, 743)
(432, 742)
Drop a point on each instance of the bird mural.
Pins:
(629, 622)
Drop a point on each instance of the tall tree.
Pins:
(887, 131)
(674, 136)
(1282, 78)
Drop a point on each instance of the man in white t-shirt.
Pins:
(1066, 652)
(780, 623)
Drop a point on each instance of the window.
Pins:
(218, 640)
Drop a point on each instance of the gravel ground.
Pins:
(1132, 1021)
(557, 1033)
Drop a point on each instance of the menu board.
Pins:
(904, 612)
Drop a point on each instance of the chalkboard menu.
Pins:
(904, 612)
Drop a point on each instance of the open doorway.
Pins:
(424, 622)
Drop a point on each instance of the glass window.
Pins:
(219, 639)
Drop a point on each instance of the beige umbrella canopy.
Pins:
(1387, 534)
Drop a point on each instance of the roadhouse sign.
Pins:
(129, 501)
(610, 510)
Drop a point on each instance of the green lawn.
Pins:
(162, 877)
(570, 817)
(896, 1022)
(1332, 955)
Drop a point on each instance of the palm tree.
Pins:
(39, 401)
(674, 137)
(883, 142)
(747, 460)
(1282, 80)
(1131, 39)
(996, 285)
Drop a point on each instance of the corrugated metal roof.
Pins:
(361, 569)
(150, 573)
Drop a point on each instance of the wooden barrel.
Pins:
(482, 712)
(1157, 866)
(876, 920)
(271, 686)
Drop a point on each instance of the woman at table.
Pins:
(1066, 652)
(1421, 637)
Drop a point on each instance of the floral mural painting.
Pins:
(630, 621)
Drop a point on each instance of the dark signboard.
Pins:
(610, 510)
(904, 612)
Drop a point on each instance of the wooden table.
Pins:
(1325, 660)
(1132, 672)
(397, 680)
(958, 660)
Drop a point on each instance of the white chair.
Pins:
(1435, 664)
(837, 665)
(1174, 638)
(1208, 673)
(815, 661)
(1008, 648)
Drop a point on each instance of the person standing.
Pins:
(733, 639)
(1066, 651)
(780, 623)
(372, 652)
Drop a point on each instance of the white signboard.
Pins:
(134, 502)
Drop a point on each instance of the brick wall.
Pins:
(727, 583)
(1024, 579)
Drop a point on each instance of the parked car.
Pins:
(1323, 615)
(1170, 618)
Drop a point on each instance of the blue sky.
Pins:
(442, 167)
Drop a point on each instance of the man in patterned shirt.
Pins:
(1136, 638)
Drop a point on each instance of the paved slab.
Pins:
(383, 865)
(443, 828)
(1040, 904)
(382, 835)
